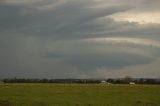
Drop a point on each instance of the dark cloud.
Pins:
(70, 19)
(48, 39)
(87, 56)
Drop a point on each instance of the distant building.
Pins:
(132, 83)
(104, 82)
(109, 83)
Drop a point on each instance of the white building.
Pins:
(105, 82)
(132, 83)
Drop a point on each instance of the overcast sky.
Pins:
(79, 38)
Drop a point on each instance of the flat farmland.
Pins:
(79, 95)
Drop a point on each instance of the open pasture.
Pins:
(79, 95)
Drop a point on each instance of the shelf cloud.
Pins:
(79, 39)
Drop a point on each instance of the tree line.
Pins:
(125, 80)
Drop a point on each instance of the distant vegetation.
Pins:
(125, 80)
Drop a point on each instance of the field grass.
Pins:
(79, 95)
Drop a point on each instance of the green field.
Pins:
(79, 95)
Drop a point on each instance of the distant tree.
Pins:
(110, 80)
(128, 79)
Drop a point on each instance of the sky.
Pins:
(79, 38)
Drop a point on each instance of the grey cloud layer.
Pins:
(49, 39)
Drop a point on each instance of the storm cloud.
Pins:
(79, 39)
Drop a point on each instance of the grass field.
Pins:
(79, 95)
